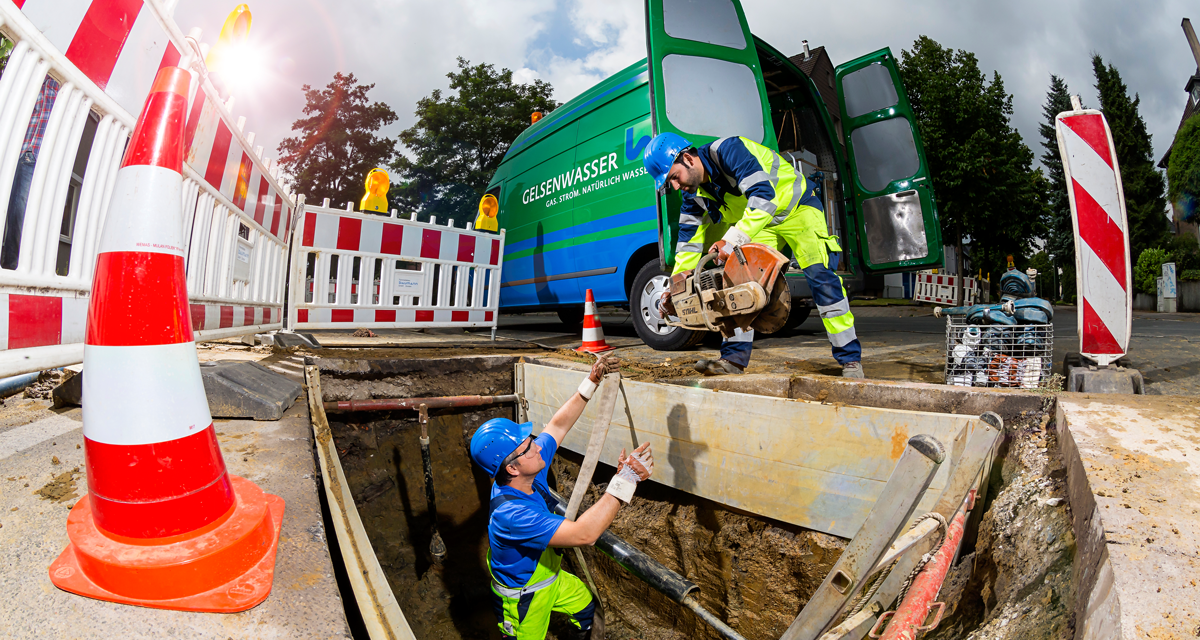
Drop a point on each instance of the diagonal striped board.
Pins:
(1101, 234)
(819, 466)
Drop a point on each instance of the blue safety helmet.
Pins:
(661, 154)
(495, 440)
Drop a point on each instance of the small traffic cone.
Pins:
(593, 333)
(163, 525)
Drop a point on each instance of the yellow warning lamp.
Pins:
(375, 199)
(537, 115)
(235, 31)
(1010, 263)
(489, 206)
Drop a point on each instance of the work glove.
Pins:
(723, 249)
(604, 365)
(631, 470)
(665, 306)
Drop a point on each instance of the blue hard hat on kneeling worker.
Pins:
(661, 154)
(495, 440)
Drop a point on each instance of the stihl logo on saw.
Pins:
(748, 292)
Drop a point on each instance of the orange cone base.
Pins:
(225, 567)
(594, 348)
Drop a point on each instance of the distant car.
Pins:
(581, 212)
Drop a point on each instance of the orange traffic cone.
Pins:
(163, 524)
(593, 333)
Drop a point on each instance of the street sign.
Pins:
(1102, 264)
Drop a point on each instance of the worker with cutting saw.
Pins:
(737, 191)
(524, 533)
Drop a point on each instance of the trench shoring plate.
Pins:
(819, 466)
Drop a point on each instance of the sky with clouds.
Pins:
(406, 47)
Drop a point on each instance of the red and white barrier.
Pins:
(371, 271)
(1101, 234)
(105, 54)
(943, 289)
(116, 43)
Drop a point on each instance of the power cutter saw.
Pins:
(747, 292)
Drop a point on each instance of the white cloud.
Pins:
(406, 47)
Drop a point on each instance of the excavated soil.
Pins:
(1016, 583)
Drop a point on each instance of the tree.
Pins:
(1183, 170)
(459, 140)
(989, 196)
(1060, 231)
(1148, 270)
(6, 47)
(1145, 191)
(337, 144)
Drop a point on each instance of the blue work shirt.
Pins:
(520, 530)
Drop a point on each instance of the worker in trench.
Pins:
(737, 191)
(525, 536)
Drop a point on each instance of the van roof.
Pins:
(615, 85)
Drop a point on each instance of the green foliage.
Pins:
(1044, 285)
(1060, 232)
(6, 47)
(1183, 170)
(1185, 252)
(337, 145)
(1148, 270)
(989, 196)
(1144, 186)
(459, 140)
(1191, 275)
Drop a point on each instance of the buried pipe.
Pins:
(437, 547)
(650, 571)
(9, 386)
(908, 619)
(392, 404)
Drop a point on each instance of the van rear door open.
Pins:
(705, 83)
(895, 216)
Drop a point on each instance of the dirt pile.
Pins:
(46, 382)
(1021, 583)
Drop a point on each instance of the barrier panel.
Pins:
(943, 289)
(372, 271)
(68, 99)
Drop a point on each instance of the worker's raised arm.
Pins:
(566, 415)
(591, 523)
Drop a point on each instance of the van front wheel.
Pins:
(648, 286)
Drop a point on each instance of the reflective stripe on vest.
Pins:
(778, 216)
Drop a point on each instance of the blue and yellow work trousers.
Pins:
(524, 614)
(807, 235)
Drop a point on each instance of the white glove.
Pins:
(631, 470)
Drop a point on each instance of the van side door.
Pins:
(895, 216)
(705, 83)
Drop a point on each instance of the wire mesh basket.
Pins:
(979, 355)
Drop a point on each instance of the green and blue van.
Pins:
(581, 213)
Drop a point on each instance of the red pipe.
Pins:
(392, 404)
(909, 617)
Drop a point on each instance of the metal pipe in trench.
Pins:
(650, 571)
(9, 386)
(437, 547)
(393, 404)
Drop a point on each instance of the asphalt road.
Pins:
(903, 343)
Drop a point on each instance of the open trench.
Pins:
(1012, 579)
